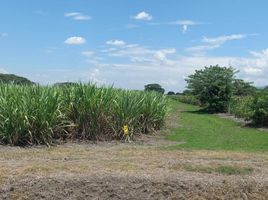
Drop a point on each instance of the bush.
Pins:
(253, 108)
(260, 106)
(242, 107)
(188, 99)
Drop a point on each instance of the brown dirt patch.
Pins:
(128, 171)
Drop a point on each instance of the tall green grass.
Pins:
(40, 115)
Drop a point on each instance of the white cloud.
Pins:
(88, 53)
(185, 24)
(134, 74)
(116, 42)
(168, 68)
(214, 43)
(252, 71)
(201, 49)
(143, 16)
(132, 65)
(75, 40)
(131, 51)
(184, 28)
(2, 35)
(169, 83)
(263, 54)
(3, 71)
(94, 76)
(161, 55)
(222, 39)
(77, 16)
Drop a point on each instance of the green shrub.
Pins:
(189, 99)
(260, 106)
(241, 107)
(253, 108)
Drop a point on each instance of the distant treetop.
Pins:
(65, 84)
(154, 87)
(14, 79)
(171, 93)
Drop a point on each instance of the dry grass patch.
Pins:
(19, 196)
(129, 169)
(122, 167)
(3, 175)
(54, 168)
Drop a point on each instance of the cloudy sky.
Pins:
(131, 43)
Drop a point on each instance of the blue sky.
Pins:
(131, 43)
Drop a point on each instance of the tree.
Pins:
(154, 87)
(212, 86)
(14, 79)
(242, 88)
(186, 92)
(171, 93)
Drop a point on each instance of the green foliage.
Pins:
(216, 88)
(13, 79)
(212, 86)
(242, 107)
(260, 107)
(40, 115)
(154, 87)
(171, 93)
(253, 108)
(242, 88)
(189, 99)
(187, 92)
(30, 115)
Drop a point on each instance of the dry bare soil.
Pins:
(130, 171)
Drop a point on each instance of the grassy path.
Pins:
(210, 132)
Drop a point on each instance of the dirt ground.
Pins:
(140, 170)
